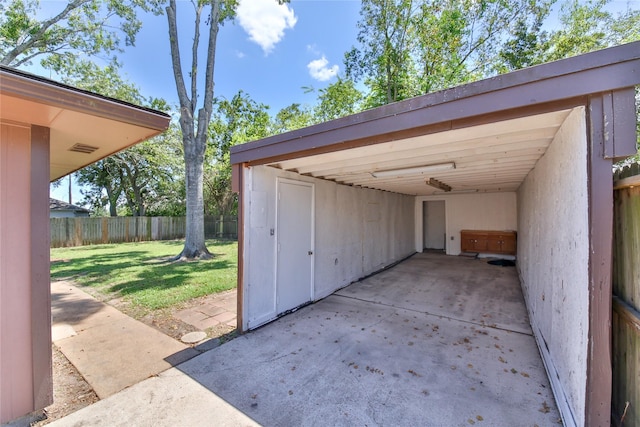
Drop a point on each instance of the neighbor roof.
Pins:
(59, 205)
(494, 130)
(84, 127)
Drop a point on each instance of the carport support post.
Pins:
(611, 120)
(40, 277)
(237, 186)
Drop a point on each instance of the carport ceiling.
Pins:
(488, 158)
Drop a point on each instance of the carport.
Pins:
(530, 152)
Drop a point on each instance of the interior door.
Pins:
(434, 225)
(294, 270)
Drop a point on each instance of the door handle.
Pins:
(310, 253)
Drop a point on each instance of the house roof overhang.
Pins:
(95, 125)
(493, 130)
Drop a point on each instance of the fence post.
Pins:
(77, 225)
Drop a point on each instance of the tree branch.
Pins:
(34, 38)
(194, 57)
(204, 115)
(175, 58)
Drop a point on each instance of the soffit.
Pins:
(105, 126)
(488, 158)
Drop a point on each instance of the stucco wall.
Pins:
(553, 243)
(474, 211)
(25, 309)
(15, 294)
(357, 231)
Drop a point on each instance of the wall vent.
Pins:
(83, 148)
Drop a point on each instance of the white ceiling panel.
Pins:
(489, 157)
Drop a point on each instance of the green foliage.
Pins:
(587, 26)
(411, 47)
(141, 273)
(439, 30)
(234, 121)
(385, 57)
(584, 29)
(526, 42)
(77, 29)
(337, 100)
(292, 117)
(143, 179)
(218, 197)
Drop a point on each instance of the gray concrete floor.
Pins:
(434, 341)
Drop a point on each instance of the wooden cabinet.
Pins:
(488, 241)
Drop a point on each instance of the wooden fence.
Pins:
(626, 299)
(89, 231)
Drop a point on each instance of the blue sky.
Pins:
(269, 51)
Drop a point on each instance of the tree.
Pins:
(583, 30)
(234, 121)
(587, 26)
(384, 59)
(64, 41)
(339, 99)
(83, 28)
(100, 178)
(411, 47)
(524, 48)
(194, 122)
(292, 117)
(135, 175)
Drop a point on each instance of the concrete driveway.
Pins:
(435, 341)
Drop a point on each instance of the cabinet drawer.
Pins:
(488, 241)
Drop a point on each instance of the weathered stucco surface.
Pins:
(357, 231)
(553, 256)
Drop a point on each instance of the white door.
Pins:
(434, 225)
(294, 270)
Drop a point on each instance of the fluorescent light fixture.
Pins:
(420, 170)
(456, 192)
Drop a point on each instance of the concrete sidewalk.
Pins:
(111, 350)
(212, 311)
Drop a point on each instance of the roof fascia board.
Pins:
(600, 71)
(38, 89)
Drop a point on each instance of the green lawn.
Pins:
(141, 274)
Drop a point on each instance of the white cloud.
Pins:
(265, 21)
(240, 54)
(318, 69)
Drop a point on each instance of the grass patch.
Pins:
(141, 273)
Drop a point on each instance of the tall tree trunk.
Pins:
(194, 245)
(113, 200)
(194, 127)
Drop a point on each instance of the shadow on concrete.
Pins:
(67, 308)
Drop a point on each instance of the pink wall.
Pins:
(25, 328)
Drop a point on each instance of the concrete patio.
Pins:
(436, 340)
